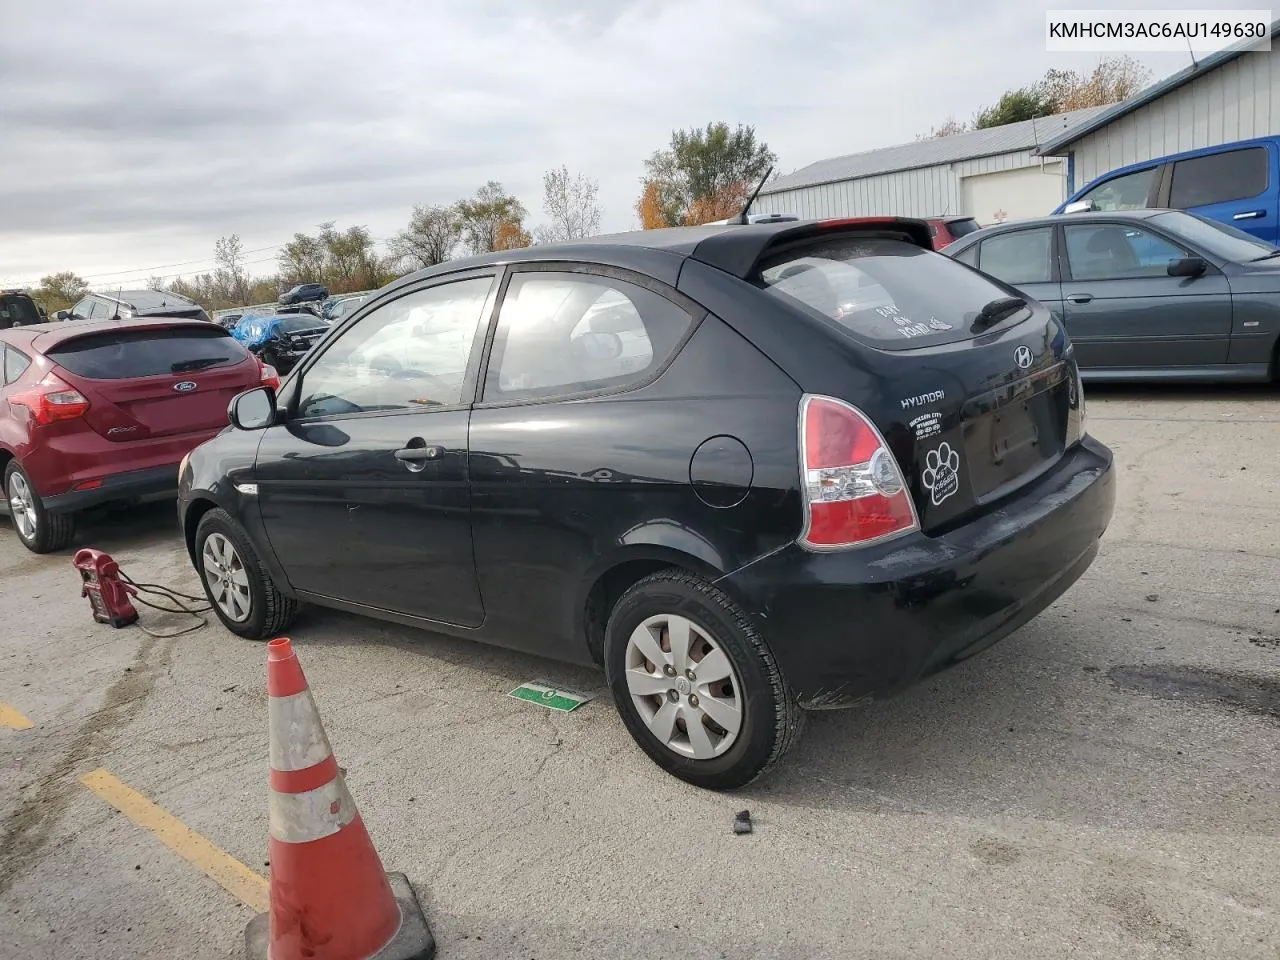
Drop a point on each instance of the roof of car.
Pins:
(734, 248)
(1084, 217)
(45, 336)
(146, 299)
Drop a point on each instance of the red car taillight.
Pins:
(270, 378)
(52, 400)
(853, 488)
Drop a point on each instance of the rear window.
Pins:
(1219, 178)
(19, 310)
(962, 228)
(890, 293)
(295, 324)
(147, 353)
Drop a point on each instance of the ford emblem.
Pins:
(185, 386)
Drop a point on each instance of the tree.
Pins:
(350, 262)
(571, 203)
(511, 236)
(58, 291)
(649, 207)
(720, 204)
(430, 238)
(301, 260)
(1026, 103)
(703, 165)
(229, 277)
(481, 217)
(1112, 80)
(950, 128)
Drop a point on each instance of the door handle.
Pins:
(1079, 297)
(1249, 215)
(420, 454)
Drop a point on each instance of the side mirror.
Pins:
(598, 346)
(1079, 206)
(1187, 267)
(62, 315)
(253, 410)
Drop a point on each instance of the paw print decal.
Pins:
(941, 475)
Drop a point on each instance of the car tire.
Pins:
(234, 577)
(752, 690)
(39, 530)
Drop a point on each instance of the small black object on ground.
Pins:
(742, 822)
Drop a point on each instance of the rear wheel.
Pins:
(695, 683)
(242, 593)
(39, 530)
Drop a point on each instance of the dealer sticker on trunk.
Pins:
(941, 475)
(565, 701)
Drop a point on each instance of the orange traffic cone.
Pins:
(330, 898)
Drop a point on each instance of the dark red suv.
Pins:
(104, 411)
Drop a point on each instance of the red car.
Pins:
(103, 411)
(944, 231)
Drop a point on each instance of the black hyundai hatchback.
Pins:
(751, 470)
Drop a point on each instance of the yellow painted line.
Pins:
(247, 886)
(12, 719)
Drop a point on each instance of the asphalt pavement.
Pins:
(1104, 783)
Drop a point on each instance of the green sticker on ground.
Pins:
(566, 701)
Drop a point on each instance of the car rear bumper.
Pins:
(133, 485)
(858, 624)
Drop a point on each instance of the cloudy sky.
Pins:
(136, 132)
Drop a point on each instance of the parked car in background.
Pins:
(673, 454)
(17, 309)
(131, 304)
(103, 411)
(305, 292)
(947, 230)
(1145, 294)
(228, 321)
(339, 307)
(281, 340)
(1236, 183)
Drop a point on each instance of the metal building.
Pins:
(1228, 96)
(991, 175)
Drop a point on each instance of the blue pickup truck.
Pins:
(1236, 183)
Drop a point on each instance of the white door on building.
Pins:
(1014, 194)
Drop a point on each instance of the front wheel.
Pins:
(240, 590)
(696, 684)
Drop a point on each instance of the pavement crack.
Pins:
(26, 831)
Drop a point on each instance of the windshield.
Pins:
(1216, 238)
(894, 294)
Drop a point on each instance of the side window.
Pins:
(1022, 256)
(1123, 193)
(567, 333)
(968, 255)
(1113, 251)
(1218, 178)
(409, 354)
(15, 363)
(81, 310)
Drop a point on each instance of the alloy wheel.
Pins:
(227, 578)
(684, 686)
(22, 507)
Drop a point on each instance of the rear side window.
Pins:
(15, 363)
(1128, 192)
(1022, 256)
(887, 292)
(1218, 178)
(570, 333)
(968, 255)
(147, 353)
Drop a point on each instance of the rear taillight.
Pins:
(1081, 421)
(853, 489)
(270, 378)
(52, 400)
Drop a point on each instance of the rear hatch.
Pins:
(972, 405)
(156, 381)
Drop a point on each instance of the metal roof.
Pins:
(1154, 92)
(1024, 135)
